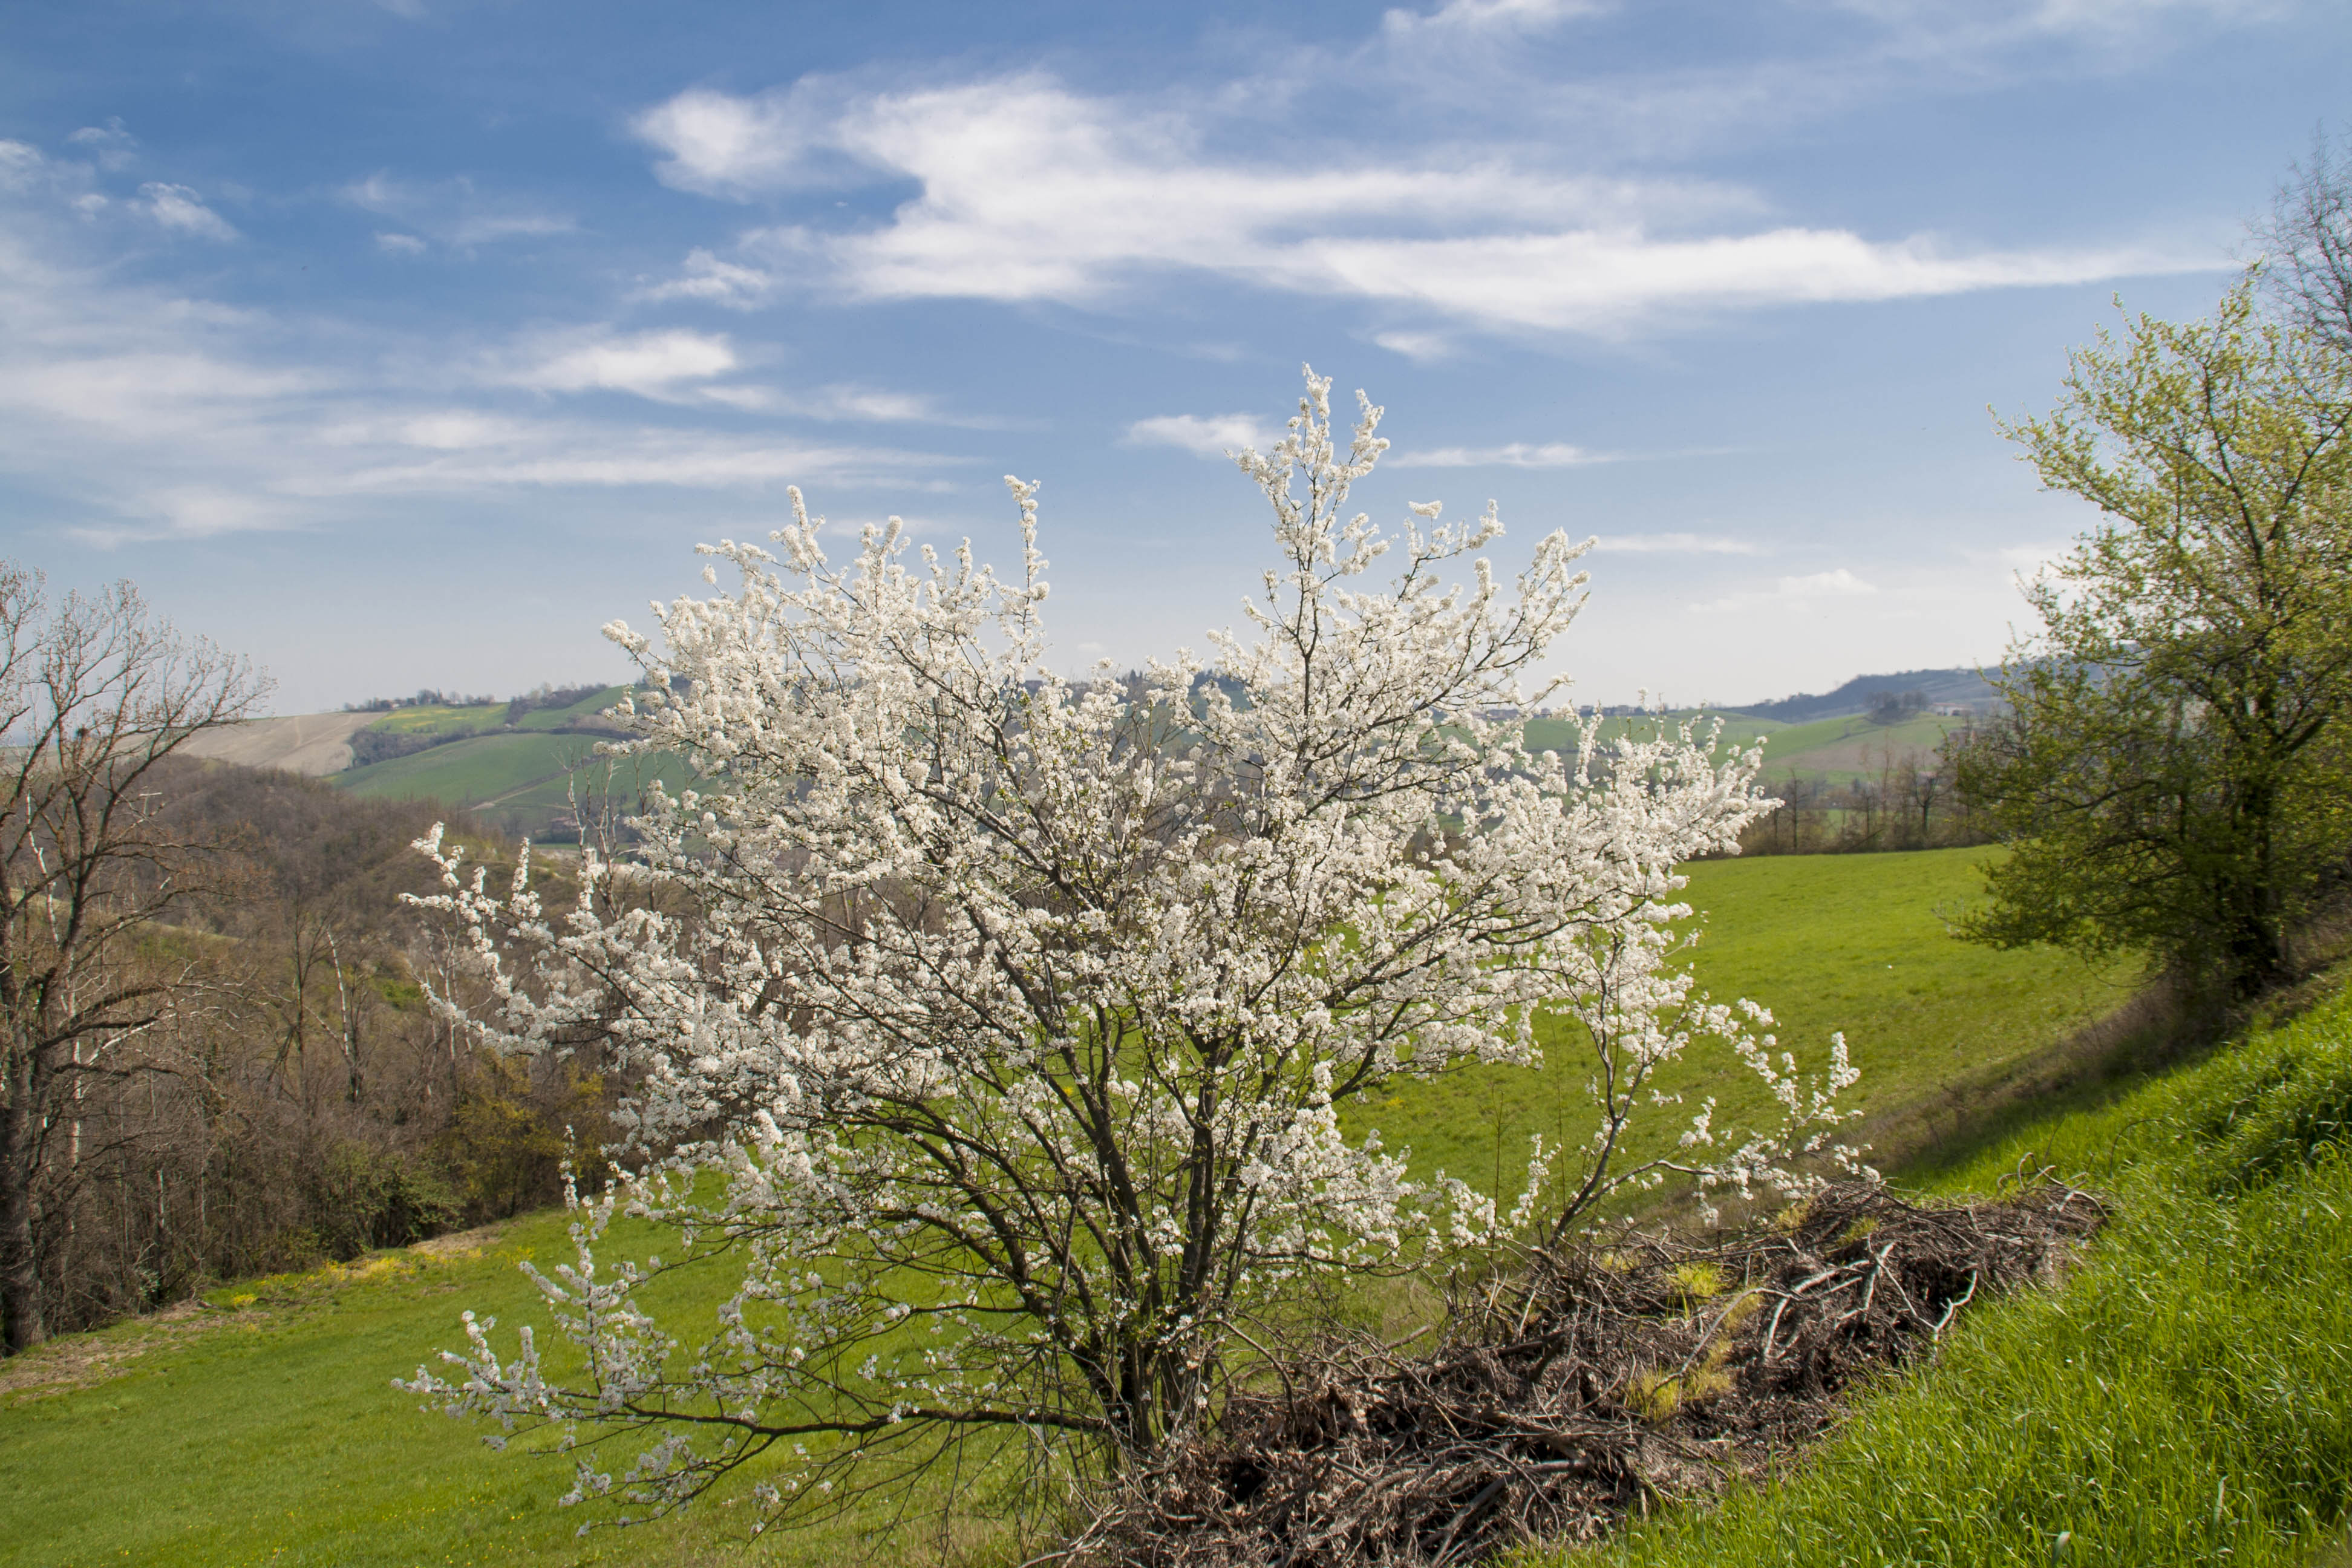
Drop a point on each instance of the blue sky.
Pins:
(406, 344)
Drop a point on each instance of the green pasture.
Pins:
(266, 1431)
(1560, 734)
(520, 779)
(1834, 751)
(469, 772)
(1828, 942)
(584, 712)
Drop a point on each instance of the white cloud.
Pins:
(724, 146)
(658, 364)
(454, 211)
(1838, 585)
(1677, 544)
(178, 208)
(1211, 436)
(707, 277)
(1516, 455)
(1485, 15)
(1416, 346)
(159, 415)
(18, 163)
(1029, 191)
(606, 458)
(110, 144)
(1806, 591)
(399, 244)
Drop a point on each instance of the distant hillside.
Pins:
(1861, 694)
(314, 744)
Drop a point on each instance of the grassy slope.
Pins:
(521, 776)
(1842, 942)
(2186, 1398)
(464, 772)
(1836, 749)
(272, 1434)
(277, 1437)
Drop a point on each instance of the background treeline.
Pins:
(307, 1104)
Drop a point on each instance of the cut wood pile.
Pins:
(1602, 1380)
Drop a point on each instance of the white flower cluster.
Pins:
(999, 1025)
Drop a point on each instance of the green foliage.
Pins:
(2186, 1398)
(2173, 774)
(508, 1139)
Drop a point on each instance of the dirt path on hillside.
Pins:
(312, 743)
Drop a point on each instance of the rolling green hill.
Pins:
(520, 779)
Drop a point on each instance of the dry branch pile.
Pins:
(1560, 1400)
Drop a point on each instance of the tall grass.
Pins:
(2186, 1398)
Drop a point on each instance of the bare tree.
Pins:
(2307, 243)
(95, 693)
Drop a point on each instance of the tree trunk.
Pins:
(21, 1320)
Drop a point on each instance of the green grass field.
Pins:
(517, 779)
(1832, 750)
(1829, 943)
(269, 1432)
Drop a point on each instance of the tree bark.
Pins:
(22, 1323)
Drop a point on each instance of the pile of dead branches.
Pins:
(1559, 1401)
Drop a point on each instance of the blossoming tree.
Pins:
(997, 1027)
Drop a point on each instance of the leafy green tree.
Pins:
(2172, 776)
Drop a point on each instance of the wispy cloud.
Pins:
(113, 146)
(183, 211)
(660, 365)
(163, 416)
(1678, 544)
(1812, 590)
(455, 212)
(1516, 455)
(1487, 17)
(1030, 191)
(707, 277)
(1204, 435)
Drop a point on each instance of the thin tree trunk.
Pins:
(22, 1323)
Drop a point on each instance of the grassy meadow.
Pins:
(1831, 750)
(1853, 943)
(264, 1429)
(520, 779)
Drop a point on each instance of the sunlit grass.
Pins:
(1829, 943)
